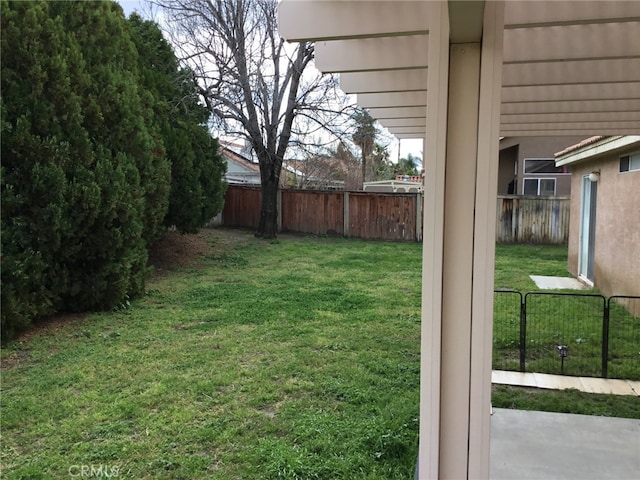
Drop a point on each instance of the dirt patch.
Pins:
(176, 250)
(22, 356)
(50, 324)
(17, 358)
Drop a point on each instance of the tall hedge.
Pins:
(86, 178)
(197, 167)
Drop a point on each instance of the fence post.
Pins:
(523, 332)
(345, 212)
(514, 220)
(279, 208)
(605, 338)
(418, 217)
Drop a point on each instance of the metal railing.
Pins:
(567, 333)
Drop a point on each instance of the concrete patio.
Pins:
(543, 445)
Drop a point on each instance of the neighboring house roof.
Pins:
(595, 146)
(579, 145)
(239, 168)
(323, 172)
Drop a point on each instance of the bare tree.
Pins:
(256, 85)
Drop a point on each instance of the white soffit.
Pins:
(398, 112)
(403, 122)
(569, 68)
(384, 81)
(371, 54)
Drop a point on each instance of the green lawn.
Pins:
(554, 319)
(296, 359)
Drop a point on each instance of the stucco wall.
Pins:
(617, 242)
(536, 147)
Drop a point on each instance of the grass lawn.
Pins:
(554, 319)
(297, 359)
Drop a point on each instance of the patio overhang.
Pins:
(566, 70)
(462, 74)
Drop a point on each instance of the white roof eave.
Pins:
(606, 145)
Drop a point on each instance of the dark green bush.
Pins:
(86, 176)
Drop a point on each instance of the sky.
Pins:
(130, 5)
(402, 147)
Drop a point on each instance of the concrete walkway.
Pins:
(558, 283)
(563, 382)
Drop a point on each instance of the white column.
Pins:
(434, 161)
(485, 239)
(461, 165)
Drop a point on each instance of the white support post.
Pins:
(461, 167)
(485, 239)
(434, 161)
(457, 267)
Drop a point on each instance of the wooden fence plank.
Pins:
(314, 212)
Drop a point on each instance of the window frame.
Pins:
(559, 170)
(632, 162)
(539, 182)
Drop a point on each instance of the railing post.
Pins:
(605, 338)
(523, 331)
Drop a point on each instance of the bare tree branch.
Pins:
(256, 84)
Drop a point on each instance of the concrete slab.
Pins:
(557, 382)
(608, 386)
(505, 377)
(635, 386)
(543, 445)
(558, 283)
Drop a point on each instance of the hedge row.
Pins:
(104, 145)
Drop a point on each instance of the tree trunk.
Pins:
(268, 227)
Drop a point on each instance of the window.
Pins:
(629, 163)
(539, 186)
(542, 165)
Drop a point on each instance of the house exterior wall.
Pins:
(533, 147)
(617, 238)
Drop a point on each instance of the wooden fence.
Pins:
(532, 219)
(380, 216)
(390, 216)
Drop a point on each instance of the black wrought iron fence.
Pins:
(507, 329)
(623, 342)
(567, 333)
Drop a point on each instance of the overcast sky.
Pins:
(413, 146)
(130, 5)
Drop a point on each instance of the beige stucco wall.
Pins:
(617, 243)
